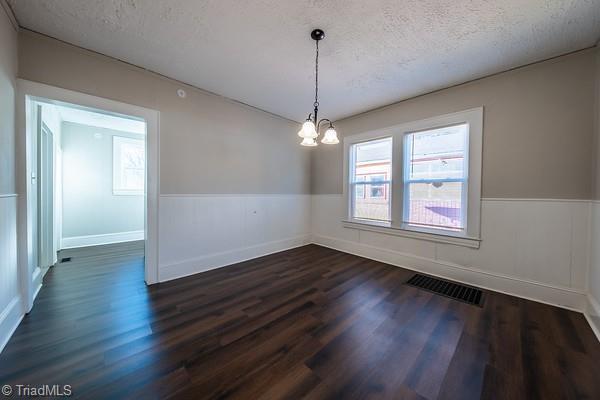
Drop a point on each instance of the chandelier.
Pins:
(311, 128)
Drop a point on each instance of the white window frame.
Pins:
(118, 190)
(470, 235)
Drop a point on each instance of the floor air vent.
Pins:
(65, 259)
(455, 291)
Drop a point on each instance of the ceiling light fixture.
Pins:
(311, 127)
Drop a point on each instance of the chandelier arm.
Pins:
(324, 120)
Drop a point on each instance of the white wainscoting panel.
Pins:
(11, 308)
(95, 240)
(202, 232)
(537, 249)
(592, 312)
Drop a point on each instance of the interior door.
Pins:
(45, 197)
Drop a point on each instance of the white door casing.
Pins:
(28, 94)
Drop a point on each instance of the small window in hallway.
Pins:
(128, 166)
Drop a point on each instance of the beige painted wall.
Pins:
(208, 144)
(87, 184)
(8, 73)
(537, 138)
(10, 308)
(538, 129)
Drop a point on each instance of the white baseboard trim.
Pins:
(10, 318)
(592, 314)
(217, 260)
(94, 240)
(568, 298)
(37, 291)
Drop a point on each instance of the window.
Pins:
(435, 177)
(128, 166)
(371, 172)
(420, 179)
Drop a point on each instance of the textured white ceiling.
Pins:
(375, 52)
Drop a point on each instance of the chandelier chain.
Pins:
(317, 76)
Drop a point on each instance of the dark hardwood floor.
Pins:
(305, 323)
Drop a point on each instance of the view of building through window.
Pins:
(435, 177)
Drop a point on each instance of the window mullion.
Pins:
(397, 184)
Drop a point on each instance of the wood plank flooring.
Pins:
(305, 323)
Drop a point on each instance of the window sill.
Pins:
(413, 234)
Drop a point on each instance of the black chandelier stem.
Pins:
(316, 103)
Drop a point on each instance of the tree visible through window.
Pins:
(129, 162)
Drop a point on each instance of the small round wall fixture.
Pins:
(311, 128)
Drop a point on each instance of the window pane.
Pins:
(436, 204)
(373, 161)
(132, 179)
(437, 153)
(128, 165)
(372, 201)
(372, 172)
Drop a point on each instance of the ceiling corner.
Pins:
(10, 14)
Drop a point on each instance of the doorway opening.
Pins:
(88, 182)
(91, 171)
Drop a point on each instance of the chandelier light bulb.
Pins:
(309, 142)
(330, 136)
(308, 130)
